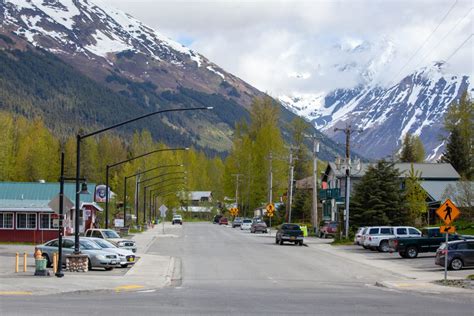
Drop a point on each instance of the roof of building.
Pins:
(438, 191)
(198, 195)
(36, 195)
(442, 171)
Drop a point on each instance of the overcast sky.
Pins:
(308, 47)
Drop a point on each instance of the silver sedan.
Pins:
(97, 257)
(126, 257)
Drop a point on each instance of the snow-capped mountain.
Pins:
(86, 35)
(415, 105)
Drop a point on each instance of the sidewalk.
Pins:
(150, 272)
(411, 278)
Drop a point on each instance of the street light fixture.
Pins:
(134, 175)
(151, 185)
(122, 162)
(80, 137)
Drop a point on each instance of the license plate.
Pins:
(130, 259)
(292, 238)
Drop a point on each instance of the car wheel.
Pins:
(456, 264)
(124, 265)
(266, 231)
(276, 241)
(384, 246)
(412, 252)
(48, 262)
(403, 254)
(365, 247)
(325, 236)
(180, 223)
(281, 241)
(108, 268)
(89, 264)
(301, 243)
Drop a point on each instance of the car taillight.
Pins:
(370, 238)
(444, 251)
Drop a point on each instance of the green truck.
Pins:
(410, 247)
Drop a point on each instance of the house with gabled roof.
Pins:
(26, 216)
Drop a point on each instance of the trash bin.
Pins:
(305, 230)
(40, 264)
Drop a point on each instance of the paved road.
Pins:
(228, 271)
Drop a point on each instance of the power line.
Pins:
(426, 40)
(459, 47)
(444, 37)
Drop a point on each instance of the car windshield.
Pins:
(248, 221)
(86, 244)
(111, 234)
(290, 227)
(104, 243)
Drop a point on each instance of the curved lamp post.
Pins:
(122, 162)
(134, 175)
(80, 137)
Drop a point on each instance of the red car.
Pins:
(328, 229)
(223, 221)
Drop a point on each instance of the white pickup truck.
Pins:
(113, 237)
(376, 238)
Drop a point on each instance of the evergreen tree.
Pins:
(459, 122)
(378, 198)
(412, 149)
(457, 153)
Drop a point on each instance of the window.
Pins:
(373, 231)
(386, 231)
(461, 246)
(54, 243)
(25, 221)
(413, 231)
(46, 221)
(6, 220)
(96, 234)
(470, 245)
(67, 243)
(401, 231)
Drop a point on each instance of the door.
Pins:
(470, 253)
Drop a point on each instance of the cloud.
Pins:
(285, 47)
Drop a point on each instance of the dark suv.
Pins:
(460, 254)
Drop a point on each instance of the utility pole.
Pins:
(348, 130)
(290, 194)
(270, 191)
(136, 199)
(315, 185)
(237, 175)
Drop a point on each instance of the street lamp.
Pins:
(134, 175)
(122, 162)
(151, 185)
(347, 164)
(162, 194)
(80, 137)
(160, 188)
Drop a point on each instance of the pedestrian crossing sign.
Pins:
(448, 212)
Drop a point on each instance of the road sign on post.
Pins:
(448, 212)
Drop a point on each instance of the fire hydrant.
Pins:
(40, 264)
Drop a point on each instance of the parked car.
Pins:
(358, 235)
(113, 237)
(177, 219)
(216, 219)
(460, 254)
(409, 247)
(246, 224)
(223, 221)
(126, 257)
(97, 258)
(328, 229)
(258, 227)
(379, 241)
(289, 232)
(237, 222)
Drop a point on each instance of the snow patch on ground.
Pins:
(107, 44)
(216, 72)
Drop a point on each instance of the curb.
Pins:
(174, 274)
(427, 287)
